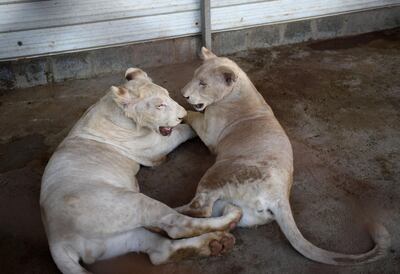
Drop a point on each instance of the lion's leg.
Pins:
(197, 122)
(162, 250)
(200, 206)
(118, 210)
(177, 225)
(110, 218)
(185, 132)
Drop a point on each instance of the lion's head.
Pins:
(148, 104)
(212, 81)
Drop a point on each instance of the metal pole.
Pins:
(206, 23)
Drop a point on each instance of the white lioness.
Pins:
(91, 205)
(254, 163)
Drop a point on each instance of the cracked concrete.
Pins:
(339, 102)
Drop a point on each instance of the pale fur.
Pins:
(254, 164)
(91, 205)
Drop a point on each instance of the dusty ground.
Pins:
(339, 102)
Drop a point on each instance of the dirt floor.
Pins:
(339, 102)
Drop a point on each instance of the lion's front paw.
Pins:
(186, 131)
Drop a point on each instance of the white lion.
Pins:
(254, 163)
(91, 205)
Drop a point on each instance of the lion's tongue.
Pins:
(165, 131)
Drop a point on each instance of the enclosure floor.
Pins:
(339, 102)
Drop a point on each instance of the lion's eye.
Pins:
(161, 106)
(202, 83)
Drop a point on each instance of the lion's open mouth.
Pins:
(198, 107)
(165, 131)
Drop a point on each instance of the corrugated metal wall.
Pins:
(242, 14)
(32, 28)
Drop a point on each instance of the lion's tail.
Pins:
(379, 234)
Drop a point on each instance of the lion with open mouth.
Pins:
(91, 205)
(254, 164)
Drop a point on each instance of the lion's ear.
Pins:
(227, 74)
(122, 97)
(136, 73)
(206, 54)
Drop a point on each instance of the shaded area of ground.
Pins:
(339, 102)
